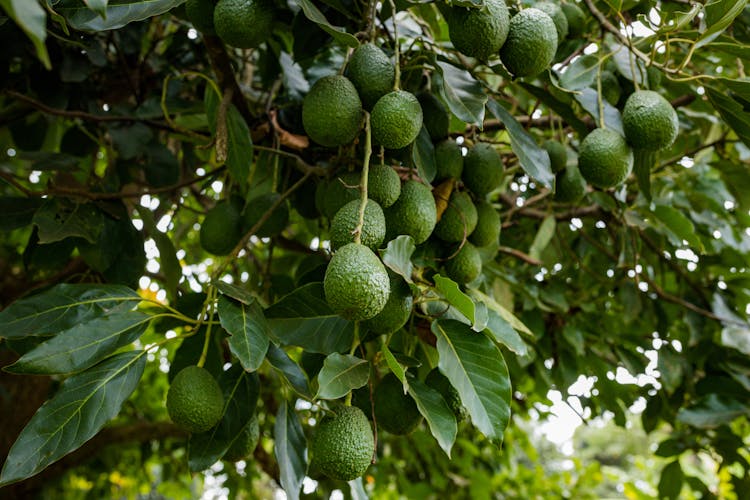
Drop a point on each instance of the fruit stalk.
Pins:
(363, 181)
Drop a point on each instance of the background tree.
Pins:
(166, 202)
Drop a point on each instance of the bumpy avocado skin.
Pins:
(649, 120)
(356, 284)
(332, 111)
(343, 444)
(346, 220)
(371, 72)
(195, 401)
(243, 23)
(479, 32)
(413, 214)
(397, 310)
(604, 158)
(383, 185)
(459, 218)
(396, 119)
(483, 169)
(488, 227)
(531, 43)
(465, 266)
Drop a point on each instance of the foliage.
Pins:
(122, 127)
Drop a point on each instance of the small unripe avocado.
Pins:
(483, 169)
(465, 266)
(479, 32)
(257, 207)
(649, 120)
(243, 23)
(397, 310)
(332, 111)
(459, 218)
(246, 442)
(371, 72)
(570, 186)
(347, 218)
(356, 284)
(195, 401)
(488, 227)
(395, 411)
(396, 119)
(413, 214)
(531, 43)
(449, 160)
(604, 158)
(343, 444)
(558, 155)
(221, 228)
(383, 185)
(434, 115)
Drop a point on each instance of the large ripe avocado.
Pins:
(479, 32)
(221, 228)
(483, 169)
(414, 213)
(332, 111)
(604, 158)
(488, 227)
(343, 444)
(347, 218)
(531, 43)
(243, 23)
(356, 283)
(459, 219)
(195, 401)
(396, 119)
(371, 72)
(395, 411)
(649, 120)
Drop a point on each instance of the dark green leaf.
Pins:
(534, 160)
(588, 99)
(436, 412)
(423, 155)
(313, 14)
(712, 411)
(98, 6)
(460, 90)
(80, 17)
(240, 147)
(79, 409)
(240, 397)
(503, 333)
(60, 218)
(32, 19)
(291, 370)
(670, 448)
(719, 14)
(543, 236)
(397, 256)
(476, 368)
(452, 293)
(679, 227)
(249, 331)
(63, 307)
(732, 113)
(235, 292)
(579, 74)
(393, 364)
(643, 162)
(17, 212)
(506, 315)
(84, 345)
(340, 374)
(289, 447)
(670, 483)
(303, 318)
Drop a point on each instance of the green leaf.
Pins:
(62, 307)
(464, 95)
(340, 374)
(98, 6)
(80, 17)
(289, 447)
(79, 409)
(82, 346)
(249, 331)
(508, 316)
(397, 256)
(643, 162)
(579, 74)
(32, 19)
(436, 412)
(503, 333)
(17, 212)
(712, 411)
(732, 112)
(679, 227)
(423, 155)
(562, 108)
(476, 368)
(60, 218)
(280, 360)
(534, 160)
(240, 146)
(719, 15)
(313, 14)
(303, 318)
(543, 237)
(452, 293)
(588, 99)
(670, 483)
(393, 364)
(235, 292)
(241, 391)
